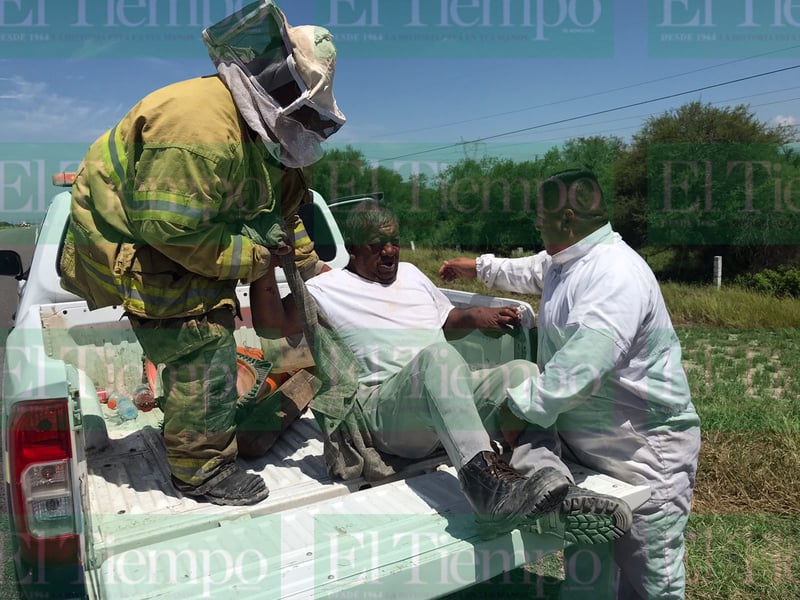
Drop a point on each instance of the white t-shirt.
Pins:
(385, 325)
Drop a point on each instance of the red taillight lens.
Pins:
(63, 179)
(40, 450)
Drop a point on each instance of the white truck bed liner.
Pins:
(311, 538)
(413, 535)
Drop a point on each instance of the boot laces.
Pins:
(499, 469)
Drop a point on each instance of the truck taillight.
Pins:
(42, 482)
(63, 179)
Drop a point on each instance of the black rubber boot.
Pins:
(502, 498)
(586, 517)
(231, 487)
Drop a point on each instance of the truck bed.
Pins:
(312, 538)
(412, 535)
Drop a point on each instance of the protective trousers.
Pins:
(436, 400)
(644, 446)
(199, 382)
(650, 560)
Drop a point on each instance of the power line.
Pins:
(633, 104)
(592, 95)
(592, 114)
(604, 131)
(718, 102)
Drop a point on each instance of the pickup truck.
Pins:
(93, 513)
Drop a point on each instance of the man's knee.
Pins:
(438, 354)
(519, 371)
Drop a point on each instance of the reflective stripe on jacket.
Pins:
(159, 201)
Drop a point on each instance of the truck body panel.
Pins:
(411, 536)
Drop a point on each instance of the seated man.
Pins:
(416, 391)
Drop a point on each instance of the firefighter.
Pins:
(185, 197)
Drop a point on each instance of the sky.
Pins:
(423, 83)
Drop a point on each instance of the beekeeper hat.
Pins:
(315, 60)
(292, 66)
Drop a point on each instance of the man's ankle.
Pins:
(480, 460)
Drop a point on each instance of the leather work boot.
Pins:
(502, 498)
(586, 517)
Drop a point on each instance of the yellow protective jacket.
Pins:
(159, 201)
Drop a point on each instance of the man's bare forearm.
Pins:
(273, 316)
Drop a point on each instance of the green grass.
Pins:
(17, 236)
(728, 308)
(741, 352)
(743, 535)
(741, 557)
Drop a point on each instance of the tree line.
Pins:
(694, 182)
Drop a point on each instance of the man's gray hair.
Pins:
(364, 220)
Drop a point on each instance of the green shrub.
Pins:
(783, 282)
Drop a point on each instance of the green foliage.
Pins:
(742, 537)
(489, 203)
(728, 307)
(685, 181)
(697, 182)
(341, 173)
(687, 264)
(720, 195)
(696, 122)
(783, 282)
(347, 172)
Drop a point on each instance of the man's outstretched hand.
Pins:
(458, 268)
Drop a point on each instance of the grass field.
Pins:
(741, 352)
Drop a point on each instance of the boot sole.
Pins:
(549, 486)
(587, 518)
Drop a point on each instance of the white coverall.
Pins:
(612, 382)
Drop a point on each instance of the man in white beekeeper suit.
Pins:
(610, 380)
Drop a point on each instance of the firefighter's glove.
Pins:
(265, 230)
